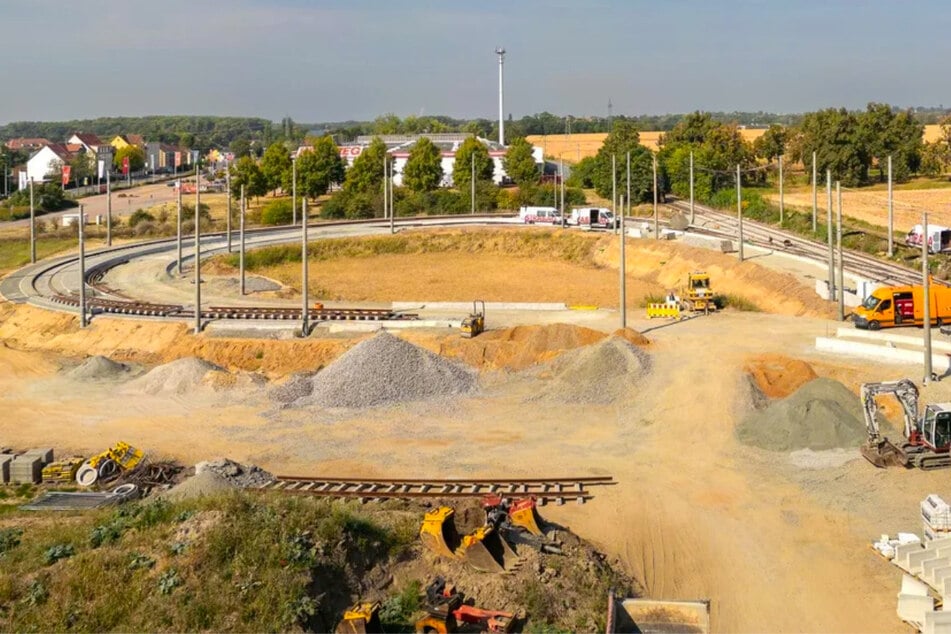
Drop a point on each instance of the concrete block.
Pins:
(45, 454)
(708, 242)
(937, 622)
(929, 566)
(938, 575)
(945, 588)
(912, 608)
(940, 362)
(910, 585)
(5, 460)
(880, 336)
(940, 542)
(917, 559)
(902, 551)
(26, 469)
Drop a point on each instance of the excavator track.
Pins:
(932, 461)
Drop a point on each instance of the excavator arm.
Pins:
(877, 449)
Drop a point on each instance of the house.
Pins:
(27, 144)
(90, 142)
(45, 164)
(125, 140)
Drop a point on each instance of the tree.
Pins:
(582, 173)
(82, 166)
(136, 157)
(319, 168)
(470, 151)
(885, 133)
(366, 173)
(935, 158)
(423, 171)
(623, 139)
(246, 172)
(240, 147)
(839, 143)
(772, 144)
(519, 163)
(717, 149)
(275, 165)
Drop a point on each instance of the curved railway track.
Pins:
(544, 490)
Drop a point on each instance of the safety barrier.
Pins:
(663, 310)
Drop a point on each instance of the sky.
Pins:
(322, 60)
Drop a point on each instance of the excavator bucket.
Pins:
(523, 513)
(485, 550)
(362, 618)
(883, 453)
(438, 532)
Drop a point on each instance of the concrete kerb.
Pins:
(940, 362)
(902, 551)
(467, 306)
(917, 559)
(936, 622)
(857, 333)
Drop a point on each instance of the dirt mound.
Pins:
(206, 483)
(631, 336)
(822, 414)
(99, 368)
(778, 376)
(601, 373)
(295, 387)
(384, 370)
(178, 377)
(238, 475)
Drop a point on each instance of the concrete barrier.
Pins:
(708, 242)
(938, 575)
(373, 326)
(893, 337)
(467, 306)
(902, 551)
(937, 622)
(940, 362)
(929, 566)
(917, 559)
(913, 607)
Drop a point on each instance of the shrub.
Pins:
(145, 228)
(140, 215)
(277, 212)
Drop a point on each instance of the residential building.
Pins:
(44, 165)
(89, 141)
(27, 144)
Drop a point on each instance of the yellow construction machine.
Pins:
(121, 457)
(484, 549)
(362, 618)
(697, 295)
(474, 324)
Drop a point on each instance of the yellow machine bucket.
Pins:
(523, 513)
(485, 550)
(438, 532)
(362, 618)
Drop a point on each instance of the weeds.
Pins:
(9, 539)
(57, 552)
(397, 611)
(168, 581)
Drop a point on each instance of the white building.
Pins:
(45, 164)
(399, 147)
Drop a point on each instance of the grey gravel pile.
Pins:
(98, 368)
(178, 377)
(385, 370)
(296, 387)
(598, 374)
(237, 475)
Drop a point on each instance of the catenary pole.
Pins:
(304, 313)
(891, 212)
(389, 185)
(614, 190)
(838, 247)
(228, 187)
(32, 227)
(627, 181)
(656, 223)
(926, 288)
(691, 187)
(623, 271)
(294, 189)
(472, 183)
(108, 207)
(829, 231)
(782, 214)
(739, 214)
(241, 243)
(179, 223)
(82, 268)
(815, 199)
(561, 178)
(197, 249)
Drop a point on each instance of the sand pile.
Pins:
(822, 414)
(99, 368)
(386, 370)
(601, 373)
(207, 483)
(778, 376)
(178, 377)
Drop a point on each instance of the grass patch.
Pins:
(738, 302)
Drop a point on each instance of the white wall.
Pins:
(41, 164)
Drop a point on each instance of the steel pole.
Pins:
(782, 214)
(108, 208)
(228, 223)
(656, 224)
(926, 288)
(739, 214)
(389, 184)
(623, 271)
(838, 240)
(32, 227)
(614, 190)
(891, 212)
(472, 161)
(561, 178)
(82, 269)
(304, 314)
(241, 242)
(179, 240)
(197, 250)
(829, 230)
(627, 181)
(386, 204)
(815, 200)
(691, 187)
(294, 190)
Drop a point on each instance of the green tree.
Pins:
(772, 144)
(247, 172)
(717, 149)
(470, 151)
(887, 133)
(839, 143)
(82, 166)
(423, 170)
(582, 173)
(241, 147)
(275, 165)
(319, 168)
(136, 157)
(519, 163)
(623, 139)
(935, 158)
(366, 173)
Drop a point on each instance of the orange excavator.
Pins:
(446, 611)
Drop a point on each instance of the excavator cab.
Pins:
(935, 429)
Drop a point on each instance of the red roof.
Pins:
(26, 143)
(135, 139)
(62, 151)
(88, 138)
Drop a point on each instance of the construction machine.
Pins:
(483, 549)
(697, 295)
(447, 610)
(926, 439)
(121, 457)
(474, 324)
(362, 618)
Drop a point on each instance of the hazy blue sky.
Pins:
(319, 60)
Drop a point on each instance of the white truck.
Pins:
(939, 238)
(543, 215)
(592, 217)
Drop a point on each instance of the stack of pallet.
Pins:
(28, 467)
(927, 567)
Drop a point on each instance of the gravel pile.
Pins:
(385, 370)
(822, 414)
(296, 387)
(207, 483)
(601, 373)
(99, 368)
(178, 377)
(235, 474)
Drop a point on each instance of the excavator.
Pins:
(447, 610)
(926, 439)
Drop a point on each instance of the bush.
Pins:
(188, 213)
(140, 215)
(46, 197)
(277, 212)
(145, 228)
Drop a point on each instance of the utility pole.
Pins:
(739, 213)
(294, 188)
(561, 178)
(782, 215)
(891, 211)
(814, 198)
(627, 180)
(614, 190)
(501, 53)
(926, 288)
(656, 227)
(228, 186)
(179, 240)
(241, 242)
(305, 312)
(108, 207)
(197, 250)
(623, 280)
(838, 240)
(82, 269)
(386, 204)
(389, 185)
(691, 187)
(472, 162)
(829, 230)
(32, 226)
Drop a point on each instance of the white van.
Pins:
(592, 217)
(543, 215)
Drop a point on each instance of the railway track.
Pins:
(718, 222)
(544, 490)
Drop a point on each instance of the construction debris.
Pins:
(238, 475)
(106, 465)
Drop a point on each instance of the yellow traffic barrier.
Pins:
(663, 310)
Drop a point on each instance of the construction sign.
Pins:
(125, 164)
(66, 170)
